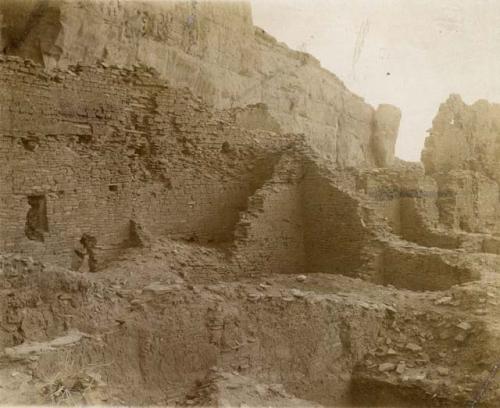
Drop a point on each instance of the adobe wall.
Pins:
(270, 234)
(214, 49)
(92, 149)
(99, 147)
(468, 201)
(335, 236)
(410, 202)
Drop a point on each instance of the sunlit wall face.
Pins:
(410, 53)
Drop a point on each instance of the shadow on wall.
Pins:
(334, 234)
(301, 222)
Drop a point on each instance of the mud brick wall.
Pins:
(421, 269)
(418, 208)
(468, 201)
(87, 150)
(269, 236)
(383, 192)
(408, 201)
(334, 234)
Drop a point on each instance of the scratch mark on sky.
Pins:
(360, 42)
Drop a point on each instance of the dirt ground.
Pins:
(148, 330)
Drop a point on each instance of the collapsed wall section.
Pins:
(308, 218)
(468, 201)
(408, 201)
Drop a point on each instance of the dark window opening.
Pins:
(36, 219)
(30, 144)
(84, 139)
(113, 187)
(226, 147)
(89, 244)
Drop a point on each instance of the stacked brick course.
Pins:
(93, 155)
(104, 146)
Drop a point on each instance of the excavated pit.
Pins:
(327, 339)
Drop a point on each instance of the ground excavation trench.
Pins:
(321, 339)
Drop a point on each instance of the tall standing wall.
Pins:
(89, 150)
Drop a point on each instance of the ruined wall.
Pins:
(269, 235)
(88, 150)
(468, 201)
(213, 48)
(335, 236)
(409, 202)
(91, 149)
(411, 267)
(383, 190)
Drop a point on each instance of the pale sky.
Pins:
(410, 53)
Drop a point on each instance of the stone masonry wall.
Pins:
(269, 235)
(468, 201)
(409, 202)
(87, 150)
(91, 154)
(335, 235)
(93, 149)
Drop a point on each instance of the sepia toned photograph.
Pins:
(252, 203)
